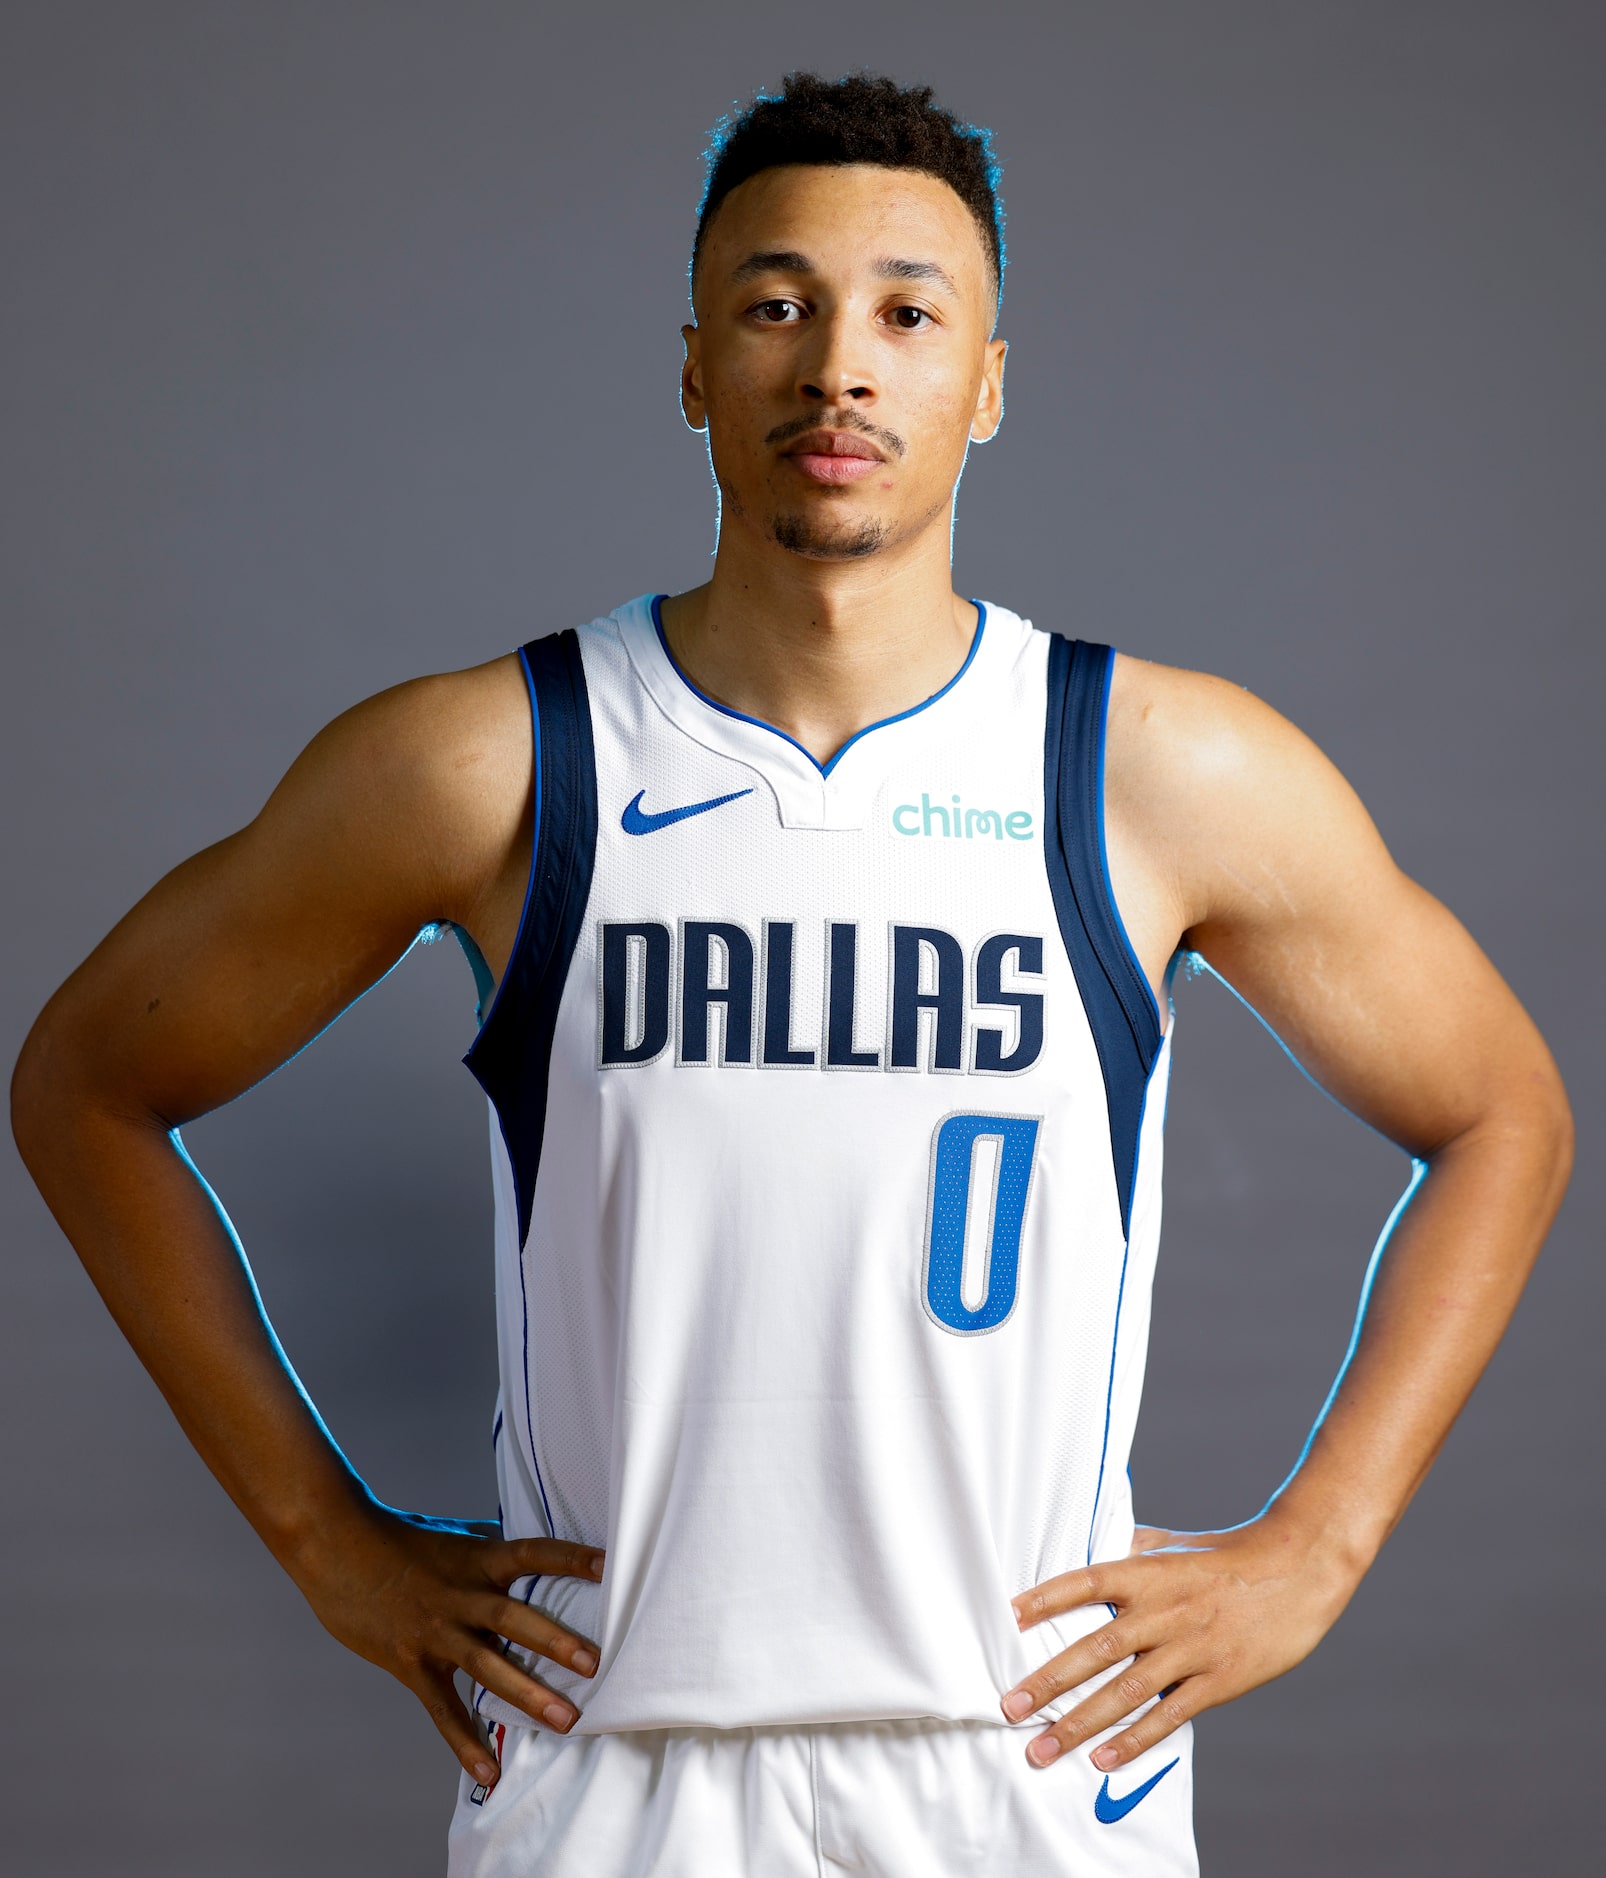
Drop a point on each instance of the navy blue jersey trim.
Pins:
(513, 1051)
(825, 768)
(1119, 1002)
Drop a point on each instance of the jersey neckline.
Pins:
(759, 723)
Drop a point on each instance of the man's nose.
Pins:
(833, 369)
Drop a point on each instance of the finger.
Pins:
(508, 1559)
(519, 1623)
(1102, 1650)
(493, 1671)
(445, 1709)
(1178, 1705)
(1145, 1677)
(1089, 1584)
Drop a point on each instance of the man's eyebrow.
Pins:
(772, 261)
(790, 261)
(892, 268)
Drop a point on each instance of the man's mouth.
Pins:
(834, 456)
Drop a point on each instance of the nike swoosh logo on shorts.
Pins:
(1107, 1809)
(637, 821)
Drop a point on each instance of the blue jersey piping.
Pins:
(1115, 1333)
(825, 768)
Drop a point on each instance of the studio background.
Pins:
(340, 344)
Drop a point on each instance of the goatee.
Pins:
(820, 540)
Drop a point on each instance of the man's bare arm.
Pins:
(409, 809)
(1232, 835)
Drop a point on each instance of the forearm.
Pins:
(1444, 1288)
(164, 1257)
(1203, 1617)
(422, 1598)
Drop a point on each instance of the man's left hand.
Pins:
(1200, 1618)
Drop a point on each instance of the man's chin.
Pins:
(825, 538)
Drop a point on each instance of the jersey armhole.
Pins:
(521, 935)
(1142, 990)
(1116, 995)
(512, 1053)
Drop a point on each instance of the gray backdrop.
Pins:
(340, 344)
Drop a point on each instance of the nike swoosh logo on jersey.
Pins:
(637, 821)
(1107, 1809)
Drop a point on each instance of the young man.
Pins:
(823, 921)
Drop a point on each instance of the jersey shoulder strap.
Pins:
(511, 1055)
(1115, 993)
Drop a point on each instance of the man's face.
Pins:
(841, 359)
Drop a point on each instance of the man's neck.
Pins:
(820, 649)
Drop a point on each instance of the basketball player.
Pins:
(823, 921)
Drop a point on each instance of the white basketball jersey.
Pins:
(826, 1105)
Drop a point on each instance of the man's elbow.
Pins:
(52, 1087)
(1535, 1119)
(34, 1079)
(1556, 1129)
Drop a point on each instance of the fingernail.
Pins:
(559, 1714)
(1043, 1750)
(596, 1566)
(1105, 1758)
(1017, 1704)
(585, 1661)
(485, 1773)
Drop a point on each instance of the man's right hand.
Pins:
(424, 1597)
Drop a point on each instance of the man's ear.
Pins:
(692, 405)
(990, 393)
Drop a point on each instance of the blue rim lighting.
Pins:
(825, 769)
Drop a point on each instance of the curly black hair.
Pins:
(862, 118)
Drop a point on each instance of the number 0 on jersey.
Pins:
(981, 1177)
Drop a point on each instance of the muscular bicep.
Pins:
(392, 818)
(1234, 825)
(1379, 991)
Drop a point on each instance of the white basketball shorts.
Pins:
(892, 1799)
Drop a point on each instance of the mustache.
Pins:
(847, 420)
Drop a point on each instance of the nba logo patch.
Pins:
(498, 1736)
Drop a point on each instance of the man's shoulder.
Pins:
(1225, 798)
(1173, 732)
(434, 735)
(427, 779)
(454, 744)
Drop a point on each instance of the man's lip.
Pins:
(833, 443)
(833, 470)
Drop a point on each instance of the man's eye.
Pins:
(776, 312)
(910, 319)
